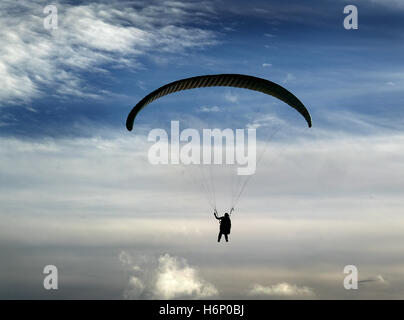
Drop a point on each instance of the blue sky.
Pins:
(77, 191)
(353, 73)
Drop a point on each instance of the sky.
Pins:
(78, 192)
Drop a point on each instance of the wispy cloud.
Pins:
(35, 61)
(289, 77)
(231, 97)
(209, 109)
(268, 120)
(283, 289)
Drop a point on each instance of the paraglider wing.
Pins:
(217, 80)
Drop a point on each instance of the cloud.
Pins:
(127, 261)
(175, 279)
(209, 109)
(36, 62)
(268, 120)
(231, 97)
(289, 77)
(283, 289)
(310, 198)
(67, 172)
(266, 65)
(141, 85)
(135, 289)
(171, 278)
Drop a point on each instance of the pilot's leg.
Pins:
(220, 236)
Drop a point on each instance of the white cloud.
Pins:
(231, 97)
(266, 65)
(171, 278)
(289, 77)
(283, 289)
(209, 109)
(35, 61)
(268, 120)
(31, 109)
(141, 85)
(135, 288)
(175, 279)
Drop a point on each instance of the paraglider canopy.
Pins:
(227, 80)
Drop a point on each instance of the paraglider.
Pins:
(217, 80)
